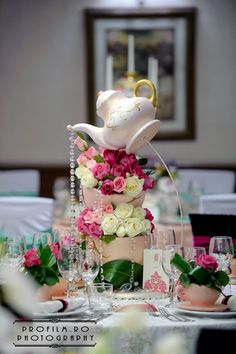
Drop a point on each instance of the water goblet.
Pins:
(88, 268)
(162, 237)
(221, 247)
(192, 253)
(171, 271)
(68, 263)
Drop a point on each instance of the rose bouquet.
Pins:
(41, 264)
(201, 271)
(123, 220)
(111, 171)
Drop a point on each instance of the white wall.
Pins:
(43, 80)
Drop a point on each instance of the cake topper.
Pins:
(129, 122)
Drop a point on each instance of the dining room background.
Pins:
(44, 81)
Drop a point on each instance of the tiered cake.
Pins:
(113, 184)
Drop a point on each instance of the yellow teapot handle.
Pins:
(152, 87)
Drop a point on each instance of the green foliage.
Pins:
(107, 238)
(47, 272)
(118, 272)
(98, 158)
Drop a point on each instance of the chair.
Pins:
(205, 226)
(20, 216)
(19, 183)
(217, 341)
(206, 181)
(218, 204)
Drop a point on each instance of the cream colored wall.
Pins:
(43, 80)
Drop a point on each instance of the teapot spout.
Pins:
(95, 133)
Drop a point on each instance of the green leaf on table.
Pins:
(118, 272)
(45, 255)
(200, 276)
(184, 279)
(221, 277)
(181, 264)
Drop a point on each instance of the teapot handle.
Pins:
(152, 87)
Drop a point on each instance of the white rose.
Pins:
(124, 210)
(146, 226)
(133, 227)
(81, 171)
(109, 224)
(139, 213)
(134, 186)
(88, 181)
(121, 231)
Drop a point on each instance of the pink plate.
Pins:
(186, 305)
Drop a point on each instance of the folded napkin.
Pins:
(64, 305)
(231, 303)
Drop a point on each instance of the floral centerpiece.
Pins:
(41, 264)
(123, 220)
(200, 275)
(111, 171)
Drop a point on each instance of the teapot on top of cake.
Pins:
(128, 122)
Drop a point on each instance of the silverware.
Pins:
(172, 317)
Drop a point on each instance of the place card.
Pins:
(154, 277)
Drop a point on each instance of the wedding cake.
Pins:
(113, 183)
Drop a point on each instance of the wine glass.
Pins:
(11, 254)
(68, 263)
(162, 237)
(171, 271)
(221, 247)
(192, 253)
(88, 268)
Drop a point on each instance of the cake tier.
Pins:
(91, 195)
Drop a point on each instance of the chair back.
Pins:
(205, 226)
(218, 204)
(20, 216)
(207, 181)
(19, 183)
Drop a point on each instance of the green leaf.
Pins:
(141, 160)
(180, 263)
(51, 277)
(184, 278)
(200, 276)
(81, 135)
(221, 277)
(118, 272)
(107, 238)
(98, 158)
(45, 255)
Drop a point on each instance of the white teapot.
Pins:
(128, 122)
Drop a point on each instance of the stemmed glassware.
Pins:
(221, 247)
(88, 267)
(162, 237)
(11, 254)
(192, 253)
(172, 272)
(68, 264)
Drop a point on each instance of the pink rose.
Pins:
(55, 248)
(149, 215)
(91, 152)
(31, 258)
(83, 227)
(138, 171)
(88, 217)
(91, 163)
(95, 230)
(207, 262)
(148, 183)
(101, 150)
(107, 187)
(97, 217)
(100, 170)
(81, 143)
(119, 184)
(118, 170)
(129, 162)
(108, 209)
(82, 160)
(110, 156)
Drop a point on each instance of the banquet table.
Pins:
(156, 327)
